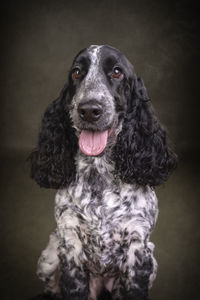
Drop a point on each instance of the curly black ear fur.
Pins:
(142, 153)
(52, 162)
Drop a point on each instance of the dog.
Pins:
(104, 150)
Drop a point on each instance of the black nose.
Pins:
(90, 112)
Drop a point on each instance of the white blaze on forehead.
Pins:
(94, 51)
(95, 56)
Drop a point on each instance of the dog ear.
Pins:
(52, 162)
(142, 152)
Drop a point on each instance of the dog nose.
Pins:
(90, 112)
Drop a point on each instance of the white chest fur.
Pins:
(105, 214)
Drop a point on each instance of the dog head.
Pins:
(100, 80)
(104, 108)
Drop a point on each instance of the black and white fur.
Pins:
(105, 206)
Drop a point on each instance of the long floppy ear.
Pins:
(142, 152)
(52, 162)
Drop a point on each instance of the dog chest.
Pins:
(105, 224)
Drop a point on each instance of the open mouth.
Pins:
(93, 143)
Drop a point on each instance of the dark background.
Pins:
(39, 39)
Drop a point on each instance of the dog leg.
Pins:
(136, 279)
(74, 279)
(48, 266)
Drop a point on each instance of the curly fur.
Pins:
(105, 206)
(53, 162)
(142, 153)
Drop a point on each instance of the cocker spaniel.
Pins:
(103, 148)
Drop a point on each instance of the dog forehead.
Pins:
(95, 56)
(108, 55)
(97, 52)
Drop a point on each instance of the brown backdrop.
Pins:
(38, 42)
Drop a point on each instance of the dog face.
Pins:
(100, 79)
(103, 109)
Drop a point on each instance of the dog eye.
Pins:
(116, 72)
(76, 73)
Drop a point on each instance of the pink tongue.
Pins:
(93, 143)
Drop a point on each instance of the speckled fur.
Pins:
(105, 206)
(103, 231)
